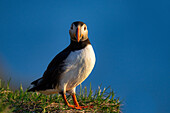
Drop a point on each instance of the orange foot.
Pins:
(80, 107)
(87, 106)
(76, 107)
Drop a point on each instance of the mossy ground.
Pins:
(20, 101)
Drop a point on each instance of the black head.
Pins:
(78, 31)
(78, 23)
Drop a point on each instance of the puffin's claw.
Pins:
(80, 107)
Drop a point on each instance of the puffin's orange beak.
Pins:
(78, 34)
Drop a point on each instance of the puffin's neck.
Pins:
(79, 45)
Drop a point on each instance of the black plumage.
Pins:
(51, 76)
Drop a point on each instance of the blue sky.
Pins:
(131, 39)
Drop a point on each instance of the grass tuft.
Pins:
(19, 101)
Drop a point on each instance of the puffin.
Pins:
(69, 68)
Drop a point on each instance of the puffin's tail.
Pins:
(33, 89)
(35, 84)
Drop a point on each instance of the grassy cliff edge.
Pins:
(22, 101)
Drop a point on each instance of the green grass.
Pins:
(20, 101)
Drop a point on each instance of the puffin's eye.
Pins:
(71, 27)
(85, 28)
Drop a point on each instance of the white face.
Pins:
(79, 32)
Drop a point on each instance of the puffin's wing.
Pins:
(55, 66)
(53, 72)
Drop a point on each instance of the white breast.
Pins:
(79, 65)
